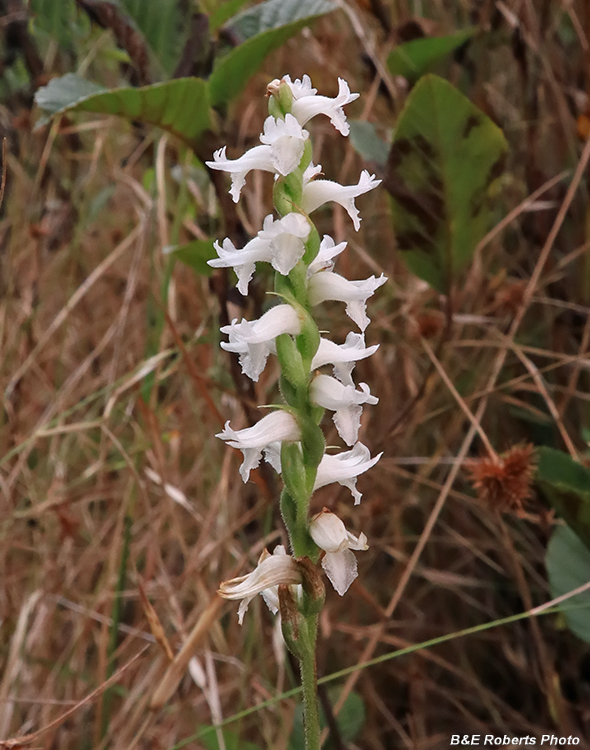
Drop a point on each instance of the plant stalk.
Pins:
(309, 683)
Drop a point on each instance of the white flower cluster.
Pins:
(281, 243)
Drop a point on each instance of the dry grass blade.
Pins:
(154, 622)
(26, 739)
(177, 669)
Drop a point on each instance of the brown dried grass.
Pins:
(83, 451)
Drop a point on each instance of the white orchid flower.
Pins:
(252, 441)
(318, 192)
(286, 139)
(307, 104)
(271, 571)
(324, 260)
(331, 535)
(344, 468)
(242, 261)
(328, 285)
(283, 143)
(254, 340)
(259, 157)
(342, 356)
(345, 401)
(286, 238)
(279, 242)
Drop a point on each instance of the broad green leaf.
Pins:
(568, 567)
(442, 173)
(164, 25)
(566, 485)
(180, 106)
(272, 14)
(350, 720)
(195, 254)
(367, 143)
(413, 59)
(264, 28)
(224, 12)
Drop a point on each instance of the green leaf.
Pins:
(566, 485)
(442, 173)
(413, 59)
(264, 28)
(350, 720)
(164, 26)
(568, 567)
(223, 13)
(180, 106)
(195, 254)
(55, 19)
(367, 143)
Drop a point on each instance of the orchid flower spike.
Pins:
(254, 340)
(342, 356)
(318, 192)
(328, 285)
(307, 104)
(271, 571)
(279, 242)
(252, 441)
(344, 468)
(331, 535)
(345, 401)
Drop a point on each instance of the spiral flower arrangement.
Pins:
(290, 437)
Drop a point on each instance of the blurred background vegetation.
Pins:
(121, 512)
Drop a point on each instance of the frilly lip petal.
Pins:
(345, 401)
(318, 192)
(344, 468)
(328, 285)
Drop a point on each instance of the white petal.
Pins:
(324, 260)
(286, 240)
(242, 261)
(342, 356)
(344, 468)
(305, 107)
(255, 340)
(259, 157)
(271, 571)
(300, 88)
(345, 400)
(276, 426)
(286, 139)
(318, 192)
(347, 420)
(328, 531)
(341, 568)
(272, 456)
(331, 286)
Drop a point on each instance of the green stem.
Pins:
(309, 683)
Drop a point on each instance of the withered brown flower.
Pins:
(505, 483)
